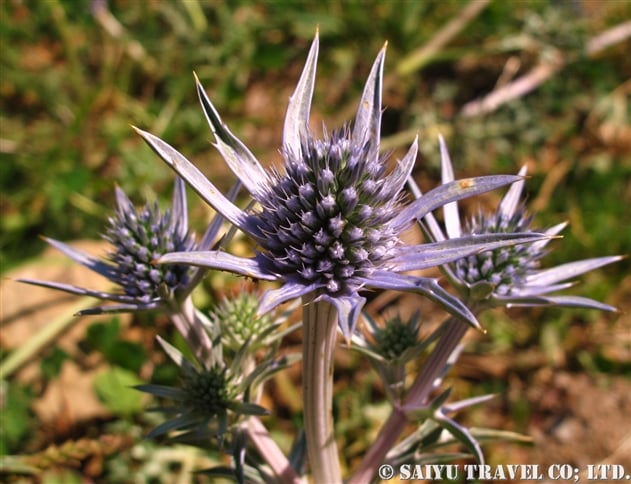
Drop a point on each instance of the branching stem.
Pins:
(453, 333)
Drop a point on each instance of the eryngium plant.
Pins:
(218, 395)
(390, 347)
(211, 398)
(503, 276)
(239, 324)
(139, 238)
(508, 276)
(329, 226)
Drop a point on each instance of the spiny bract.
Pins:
(329, 225)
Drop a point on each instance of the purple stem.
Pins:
(453, 333)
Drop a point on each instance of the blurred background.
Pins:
(541, 83)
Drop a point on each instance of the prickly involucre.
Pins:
(138, 238)
(508, 276)
(329, 224)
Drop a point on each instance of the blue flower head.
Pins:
(329, 224)
(138, 238)
(508, 276)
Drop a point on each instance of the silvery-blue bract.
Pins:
(328, 226)
(138, 238)
(508, 276)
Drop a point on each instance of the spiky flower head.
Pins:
(207, 392)
(390, 347)
(501, 268)
(508, 276)
(210, 398)
(237, 323)
(328, 217)
(397, 336)
(238, 319)
(329, 224)
(139, 238)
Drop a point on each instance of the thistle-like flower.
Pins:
(138, 238)
(391, 347)
(508, 276)
(329, 224)
(238, 323)
(211, 397)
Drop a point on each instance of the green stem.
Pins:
(320, 329)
